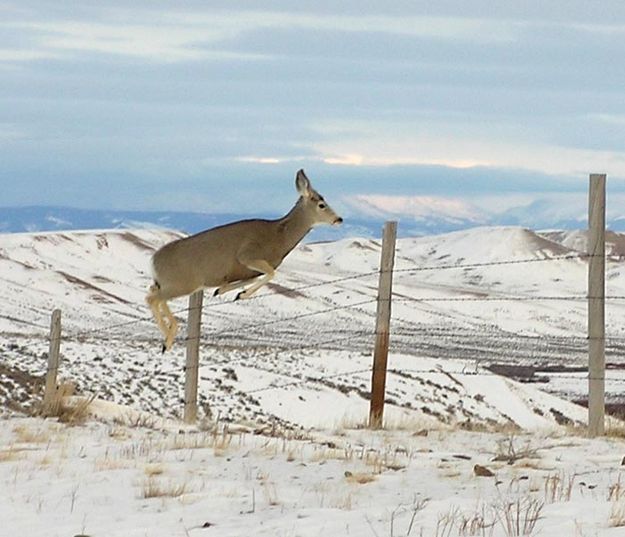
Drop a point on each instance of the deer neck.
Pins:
(295, 225)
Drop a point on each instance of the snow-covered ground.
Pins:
(280, 447)
(463, 300)
(110, 479)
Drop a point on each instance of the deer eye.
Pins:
(322, 205)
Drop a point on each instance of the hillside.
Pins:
(463, 302)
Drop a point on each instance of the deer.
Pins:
(240, 255)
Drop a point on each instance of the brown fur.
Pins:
(232, 256)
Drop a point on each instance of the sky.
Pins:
(213, 106)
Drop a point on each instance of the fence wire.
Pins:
(409, 270)
(294, 343)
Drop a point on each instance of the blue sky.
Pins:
(213, 106)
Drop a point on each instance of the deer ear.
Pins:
(302, 183)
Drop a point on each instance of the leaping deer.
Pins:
(232, 256)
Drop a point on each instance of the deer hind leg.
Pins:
(172, 327)
(267, 272)
(154, 302)
(162, 315)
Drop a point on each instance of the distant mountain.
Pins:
(368, 223)
(417, 216)
(544, 213)
(35, 218)
(39, 219)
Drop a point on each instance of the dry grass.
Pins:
(219, 442)
(614, 430)
(118, 433)
(518, 516)
(70, 411)
(360, 478)
(479, 524)
(324, 454)
(153, 470)
(616, 491)
(137, 420)
(107, 464)
(345, 502)
(10, 454)
(156, 488)
(510, 451)
(27, 435)
(559, 487)
(617, 515)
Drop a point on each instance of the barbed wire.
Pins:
(496, 263)
(351, 277)
(517, 298)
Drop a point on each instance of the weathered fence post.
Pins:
(596, 305)
(382, 326)
(53, 358)
(193, 356)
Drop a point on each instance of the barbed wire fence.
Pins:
(474, 346)
(404, 331)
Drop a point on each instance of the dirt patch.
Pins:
(545, 244)
(136, 241)
(285, 291)
(87, 285)
(360, 246)
(19, 389)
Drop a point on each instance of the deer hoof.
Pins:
(216, 292)
(239, 296)
(163, 348)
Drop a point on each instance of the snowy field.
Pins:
(464, 300)
(109, 479)
(280, 448)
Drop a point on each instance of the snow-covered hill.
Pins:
(462, 302)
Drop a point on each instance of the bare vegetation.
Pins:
(64, 407)
(559, 487)
(509, 450)
(158, 488)
(518, 517)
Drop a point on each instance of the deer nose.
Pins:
(339, 220)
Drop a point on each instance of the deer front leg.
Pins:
(233, 285)
(267, 272)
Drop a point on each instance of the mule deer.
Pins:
(233, 256)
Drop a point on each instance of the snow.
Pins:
(281, 446)
(104, 478)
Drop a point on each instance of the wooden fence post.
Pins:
(193, 356)
(53, 358)
(382, 326)
(596, 305)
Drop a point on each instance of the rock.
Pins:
(482, 471)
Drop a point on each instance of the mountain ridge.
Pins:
(437, 219)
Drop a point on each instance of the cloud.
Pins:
(222, 103)
(162, 43)
(178, 36)
(393, 143)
